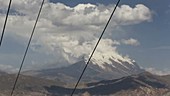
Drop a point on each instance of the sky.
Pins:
(68, 30)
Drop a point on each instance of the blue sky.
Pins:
(153, 50)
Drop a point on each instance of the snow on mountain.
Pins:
(101, 59)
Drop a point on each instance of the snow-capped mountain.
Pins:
(98, 69)
(124, 65)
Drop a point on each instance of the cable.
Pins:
(27, 48)
(6, 19)
(94, 49)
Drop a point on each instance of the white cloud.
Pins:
(70, 32)
(73, 49)
(130, 41)
(126, 15)
(158, 72)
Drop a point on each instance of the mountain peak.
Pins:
(107, 59)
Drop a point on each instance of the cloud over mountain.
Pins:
(70, 33)
(158, 72)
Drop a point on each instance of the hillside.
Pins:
(144, 84)
(26, 85)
